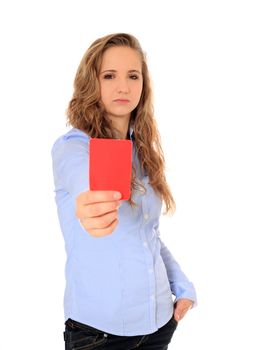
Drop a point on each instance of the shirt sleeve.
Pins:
(180, 286)
(70, 157)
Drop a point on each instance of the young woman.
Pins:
(120, 276)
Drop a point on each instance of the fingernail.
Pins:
(117, 195)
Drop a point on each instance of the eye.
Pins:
(108, 76)
(134, 77)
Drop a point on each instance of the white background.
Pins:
(200, 58)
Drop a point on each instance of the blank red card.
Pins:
(111, 165)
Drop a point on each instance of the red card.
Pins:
(111, 165)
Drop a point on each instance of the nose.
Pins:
(123, 86)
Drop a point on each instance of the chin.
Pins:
(121, 113)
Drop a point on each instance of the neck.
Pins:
(122, 126)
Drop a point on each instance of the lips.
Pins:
(121, 100)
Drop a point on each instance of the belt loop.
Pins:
(71, 324)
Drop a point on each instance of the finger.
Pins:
(105, 231)
(100, 222)
(96, 209)
(98, 196)
(180, 312)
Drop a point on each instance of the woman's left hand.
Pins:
(181, 307)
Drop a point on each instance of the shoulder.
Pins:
(74, 138)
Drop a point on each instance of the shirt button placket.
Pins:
(150, 271)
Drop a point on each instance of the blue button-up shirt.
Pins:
(121, 283)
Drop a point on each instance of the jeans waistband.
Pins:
(74, 324)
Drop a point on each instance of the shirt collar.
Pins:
(131, 132)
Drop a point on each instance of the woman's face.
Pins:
(120, 80)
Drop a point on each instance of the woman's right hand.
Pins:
(97, 211)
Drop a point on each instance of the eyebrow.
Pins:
(114, 71)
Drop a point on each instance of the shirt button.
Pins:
(150, 270)
(152, 297)
(146, 216)
(145, 244)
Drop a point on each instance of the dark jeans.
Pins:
(79, 336)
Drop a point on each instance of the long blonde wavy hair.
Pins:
(85, 112)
